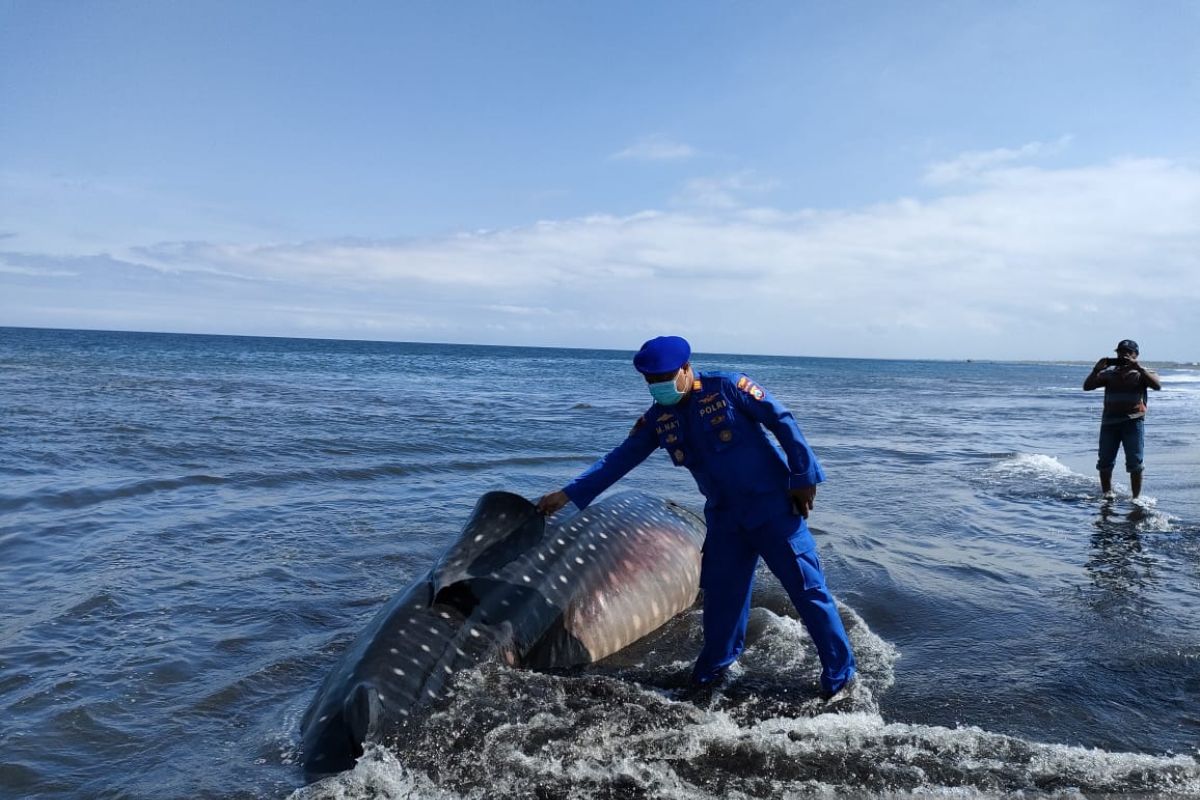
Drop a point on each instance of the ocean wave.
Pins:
(1037, 466)
(599, 739)
(1191, 377)
(89, 496)
(70, 499)
(1038, 475)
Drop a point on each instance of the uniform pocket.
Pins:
(720, 430)
(809, 563)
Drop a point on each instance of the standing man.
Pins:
(1123, 422)
(757, 501)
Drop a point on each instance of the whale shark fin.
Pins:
(502, 528)
(362, 713)
(335, 742)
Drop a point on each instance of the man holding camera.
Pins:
(1122, 425)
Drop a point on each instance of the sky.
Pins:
(966, 179)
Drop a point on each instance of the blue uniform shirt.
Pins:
(718, 434)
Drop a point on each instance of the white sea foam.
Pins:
(711, 755)
(1181, 377)
(379, 775)
(1031, 465)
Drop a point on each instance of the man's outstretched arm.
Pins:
(604, 473)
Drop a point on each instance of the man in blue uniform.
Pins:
(758, 500)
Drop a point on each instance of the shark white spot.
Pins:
(399, 671)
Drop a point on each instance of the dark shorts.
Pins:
(1129, 435)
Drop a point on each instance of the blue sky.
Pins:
(942, 180)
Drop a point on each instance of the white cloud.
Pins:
(35, 272)
(656, 147)
(724, 192)
(974, 164)
(1021, 262)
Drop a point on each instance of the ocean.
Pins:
(192, 528)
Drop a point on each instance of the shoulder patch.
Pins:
(750, 387)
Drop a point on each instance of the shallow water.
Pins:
(192, 528)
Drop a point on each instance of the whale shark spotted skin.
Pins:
(513, 588)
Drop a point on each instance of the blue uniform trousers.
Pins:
(731, 555)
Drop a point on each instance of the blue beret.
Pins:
(662, 354)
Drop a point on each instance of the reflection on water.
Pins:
(1118, 565)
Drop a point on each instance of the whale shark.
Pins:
(515, 588)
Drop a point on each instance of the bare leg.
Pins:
(1106, 481)
(1135, 483)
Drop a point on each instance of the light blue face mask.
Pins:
(665, 393)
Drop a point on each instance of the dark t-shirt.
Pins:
(1124, 394)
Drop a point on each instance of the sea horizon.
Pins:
(614, 350)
